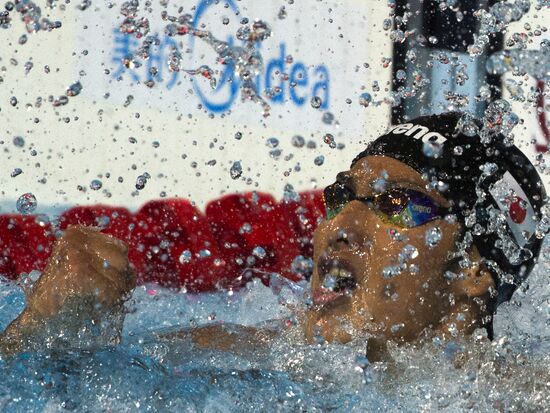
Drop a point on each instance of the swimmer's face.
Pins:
(356, 284)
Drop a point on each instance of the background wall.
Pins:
(177, 140)
(179, 130)
(530, 133)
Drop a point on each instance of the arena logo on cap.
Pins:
(417, 132)
(515, 204)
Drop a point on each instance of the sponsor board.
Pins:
(177, 129)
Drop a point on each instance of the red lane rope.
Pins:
(174, 244)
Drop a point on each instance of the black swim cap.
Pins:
(493, 188)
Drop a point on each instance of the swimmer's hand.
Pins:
(87, 267)
(84, 262)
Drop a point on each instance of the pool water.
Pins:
(144, 374)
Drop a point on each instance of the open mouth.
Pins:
(322, 296)
(337, 280)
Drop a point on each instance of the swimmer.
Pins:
(427, 233)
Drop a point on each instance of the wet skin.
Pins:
(357, 239)
(84, 263)
(405, 306)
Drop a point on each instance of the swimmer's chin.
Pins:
(323, 330)
(333, 328)
(330, 325)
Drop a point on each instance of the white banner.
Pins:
(135, 120)
(529, 96)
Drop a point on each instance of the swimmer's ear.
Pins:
(475, 281)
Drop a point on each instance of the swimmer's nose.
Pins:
(344, 239)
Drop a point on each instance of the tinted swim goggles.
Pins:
(399, 206)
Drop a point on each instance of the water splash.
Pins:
(147, 374)
(26, 203)
(520, 62)
(74, 89)
(132, 24)
(433, 236)
(204, 71)
(236, 170)
(246, 59)
(496, 20)
(31, 15)
(498, 120)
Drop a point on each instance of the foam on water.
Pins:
(144, 374)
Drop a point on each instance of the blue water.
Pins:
(143, 374)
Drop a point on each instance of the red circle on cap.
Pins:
(517, 212)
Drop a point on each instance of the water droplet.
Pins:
(365, 99)
(319, 160)
(28, 66)
(26, 204)
(409, 252)
(84, 4)
(395, 235)
(488, 168)
(328, 118)
(433, 236)
(316, 102)
(204, 71)
(302, 266)
(96, 184)
(246, 228)
(141, 181)
(19, 141)
(330, 282)
(259, 252)
(449, 275)
(185, 257)
(467, 125)
(396, 327)
(329, 140)
(298, 141)
(74, 89)
(238, 136)
(204, 253)
(432, 149)
(391, 271)
(236, 170)
(401, 75)
(272, 142)
(60, 101)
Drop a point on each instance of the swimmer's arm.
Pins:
(87, 275)
(234, 338)
(19, 335)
